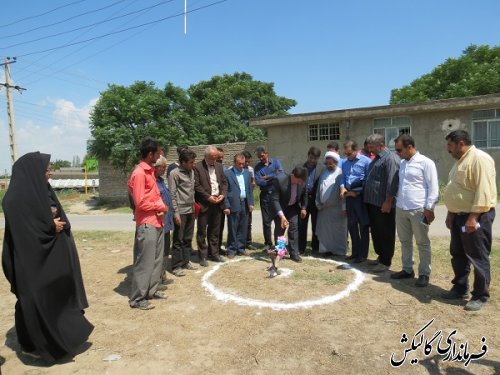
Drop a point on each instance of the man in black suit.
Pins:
(314, 170)
(210, 191)
(290, 200)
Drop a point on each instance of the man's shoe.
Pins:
(203, 262)
(159, 295)
(230, 256)
(403, 275)
(474, 305)
(423, 281)
(190, 266)
(251, 247)
(350, 257)
(142, 305)
(454, 294)
(161, 287)
(166, 281)
(216, 258)
(379, 268)
(372, 262)
(246, 253)
(296, 258)
(178, 272)
(359, 260)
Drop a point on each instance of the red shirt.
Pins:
(146, 196)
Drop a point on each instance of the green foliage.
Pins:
(476, 72)
(58, 164)
(214, 111)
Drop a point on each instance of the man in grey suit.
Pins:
(290, 200)
(210, 189)
(238, 202)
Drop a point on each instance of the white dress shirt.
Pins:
(418, 183)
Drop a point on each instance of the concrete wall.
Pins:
(290, 144)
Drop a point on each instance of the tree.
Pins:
(476, 72)
(223, 106)
(124, 116)
(214, 111)
(58, 164)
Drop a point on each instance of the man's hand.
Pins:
(303, 213)
(284, 222)
(59, 224)
(177, 220)
(471, 223)
(449, 220)
(353, 194)
(386, 206)
(429, 216)
(160, 213)
(343, 192)
(219, 198)
(212, 200)
(250, 208)
(226, 211)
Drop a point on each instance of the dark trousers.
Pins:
(221, 231)
(237, 226)
(383, 229)
(249, 229)
(358, 225)
(208, 232)
(182, 238)
(472, 248)
(292, 215)
(268, 216)
(166, 251)
(312, 211)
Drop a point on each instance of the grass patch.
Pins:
(329, 278)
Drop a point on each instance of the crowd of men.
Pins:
(367, 190)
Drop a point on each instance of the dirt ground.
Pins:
(193, 332)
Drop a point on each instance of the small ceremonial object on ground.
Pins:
(276, 255)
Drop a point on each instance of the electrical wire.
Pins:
(42, 14)
(62, 21)
(121, 31)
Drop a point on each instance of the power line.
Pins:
(72, 40)
(87, 26)
(123, 30)
(42, 14)
(64, 20)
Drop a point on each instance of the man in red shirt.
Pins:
(149, 214)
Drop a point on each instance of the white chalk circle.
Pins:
(230, 297)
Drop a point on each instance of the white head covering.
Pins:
(331, 154)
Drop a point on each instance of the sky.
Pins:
(325, 54)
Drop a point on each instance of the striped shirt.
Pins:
(382, 180)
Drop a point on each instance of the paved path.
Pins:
(123, 222)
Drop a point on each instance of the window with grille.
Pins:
(391, 128)
(486, 128)
(324, 132)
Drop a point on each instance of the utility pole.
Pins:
(10, 108)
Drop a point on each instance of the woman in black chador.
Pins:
(41, 263)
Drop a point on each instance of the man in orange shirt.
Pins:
(149, 216)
